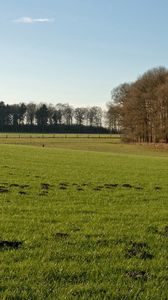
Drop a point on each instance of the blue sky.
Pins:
(76, 51)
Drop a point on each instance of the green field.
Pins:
(83, 218)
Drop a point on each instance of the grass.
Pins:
(90, 217)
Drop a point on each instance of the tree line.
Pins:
(140, 109)
(42, 117)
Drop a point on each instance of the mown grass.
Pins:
(92, 225)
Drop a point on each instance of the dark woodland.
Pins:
(43, 118)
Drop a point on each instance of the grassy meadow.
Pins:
(82, 217)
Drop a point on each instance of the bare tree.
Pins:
(80, 115)
(143, 107)
(30, 113)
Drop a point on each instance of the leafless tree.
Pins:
(142, 107)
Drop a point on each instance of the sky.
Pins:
(77, 51)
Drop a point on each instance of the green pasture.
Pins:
(83, 218)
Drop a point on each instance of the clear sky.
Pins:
(76, 51)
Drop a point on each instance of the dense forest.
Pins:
(61, 118)
(140, 109)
